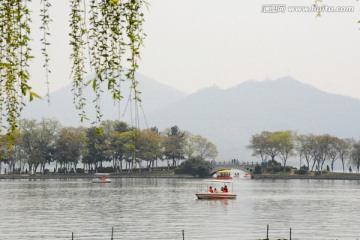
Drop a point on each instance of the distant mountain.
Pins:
(154, 95)
(229, 117)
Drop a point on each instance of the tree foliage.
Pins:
(39, 143)
(197, 166)
(198, 146)
(314, 149)
(272, 144)
(174, 144)
(105, 36)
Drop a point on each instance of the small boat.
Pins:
(216, 195)
(223, 175)
(247, 175)
(102, 178)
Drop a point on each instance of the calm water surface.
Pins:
(162, 208)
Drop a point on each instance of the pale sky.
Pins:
(193, 44)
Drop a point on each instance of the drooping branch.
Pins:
(15, 57)
(77, 55)
(111, 31)
(45, 18)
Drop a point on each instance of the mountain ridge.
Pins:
(228, 117)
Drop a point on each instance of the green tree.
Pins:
(38, 139)
(121, 127)
(69, 146)
(258, 146)
(149, 147)
(118, 145)
(11, 154)
(130, 139)
(272, 145)
(174, 145)
(119, 139)
(197, 166)
(285, 142)
(198, 146)
(96, 147)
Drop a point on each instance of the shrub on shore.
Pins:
(196, 166)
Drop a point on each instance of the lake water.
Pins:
(162, 208)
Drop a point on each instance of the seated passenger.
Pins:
(210, 189)
(226, 189)
(215, 191)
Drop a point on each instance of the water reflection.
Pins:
(162, 208)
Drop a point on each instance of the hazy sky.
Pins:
(193, 44)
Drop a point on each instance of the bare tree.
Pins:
(306, 148)
(355, 155)
(344, 148)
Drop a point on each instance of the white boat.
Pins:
(102, 178)
(247, 175)
(218, 194)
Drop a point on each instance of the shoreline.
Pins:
(328, 176)
(167, 174)
(170, 174)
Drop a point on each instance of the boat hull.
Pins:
(101, 181)
(216, 195)
(223, 178)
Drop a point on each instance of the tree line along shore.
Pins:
(42, 146)
(45, 149)
(314, 153)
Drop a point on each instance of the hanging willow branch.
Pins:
(15, 56)
(115, 28)
(2, 64)
(134, 30)
(45, 18)
(77, 42)
(113, 40)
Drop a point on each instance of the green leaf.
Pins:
(33, 94)
(99, 130)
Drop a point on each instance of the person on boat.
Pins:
(215, 190)
(226, 189)
(103, 178)
(211, 190)
(222, 189)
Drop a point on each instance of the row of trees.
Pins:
(315, 150)
(40, 143)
